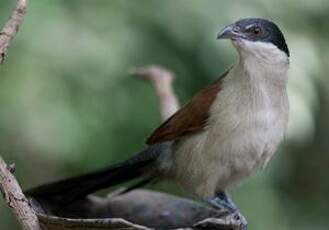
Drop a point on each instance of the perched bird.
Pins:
(226, 132)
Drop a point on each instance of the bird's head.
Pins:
(256, 37)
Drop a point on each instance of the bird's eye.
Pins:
(255, 30)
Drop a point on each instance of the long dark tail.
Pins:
(72, 189)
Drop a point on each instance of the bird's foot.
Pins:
(234, 219)
(237, 220)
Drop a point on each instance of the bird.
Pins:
(225, 133)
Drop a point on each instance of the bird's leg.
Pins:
(223, 201)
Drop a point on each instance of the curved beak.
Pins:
(230, 32)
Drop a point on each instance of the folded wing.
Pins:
(190, 119)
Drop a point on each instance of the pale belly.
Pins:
(217, 159)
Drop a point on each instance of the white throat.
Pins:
(263, 61)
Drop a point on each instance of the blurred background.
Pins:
(68, 104)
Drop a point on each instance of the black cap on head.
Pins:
(256, 29)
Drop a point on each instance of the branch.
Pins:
(15, 198)
(161, 80)
(11, 27)
(11, 190)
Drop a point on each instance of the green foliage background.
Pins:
(68, 104)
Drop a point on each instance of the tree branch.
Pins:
(161, 80)
(10, 188)
(15, 198)
(11, 27)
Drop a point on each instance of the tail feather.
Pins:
(72, 189)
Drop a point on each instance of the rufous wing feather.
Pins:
(190, 119)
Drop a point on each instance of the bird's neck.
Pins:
(270, 68)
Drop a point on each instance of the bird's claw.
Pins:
(213, 223)
(234, 221)
(238, 220)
